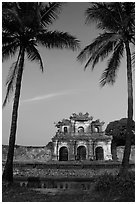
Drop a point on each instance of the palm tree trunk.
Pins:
(8, 170)
(127, 150)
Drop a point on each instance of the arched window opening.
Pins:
(80, 129)
(63, 154)
(65, 129)
(99, 153)
(81, 153)
(96, 129)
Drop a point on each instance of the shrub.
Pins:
(116, 185)
(104, 182)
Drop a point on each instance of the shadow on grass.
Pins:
(15, 193)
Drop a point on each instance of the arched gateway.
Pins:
(63, 154)
(81, 138)
(81, 153)
(99, 153)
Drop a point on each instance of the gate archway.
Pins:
(81, 129)
(81, 153)
(63, 154)
(99, 153)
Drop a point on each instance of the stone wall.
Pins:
(43, 154)
(120, 151)
(28, 153)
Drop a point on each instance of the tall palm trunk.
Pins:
(8, 170)
(127, 150)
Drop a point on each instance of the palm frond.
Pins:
(9, 49)
(29, 14)
(7, 38)
(129, 9)
(11, 81)
(10, 19)
(101, 53)
(95, 45)
(34, 55)
(98, 49)
(10, 26)
(7, 5)
(85, 53)
(49, 12)
(104, 16)
(56, 39)
(110, 73)
(133, 59)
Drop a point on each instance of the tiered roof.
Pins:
(81, 117)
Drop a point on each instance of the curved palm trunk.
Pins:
(8, 170)
(127, 150)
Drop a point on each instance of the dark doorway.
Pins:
(65, 129)
(96, 129)
(63, 154)
(99, 153)
(81, 153)
(81, 129)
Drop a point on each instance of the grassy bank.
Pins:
(108, 188)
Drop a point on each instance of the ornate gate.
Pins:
(63, 154)
(99, 153)
(81, 153)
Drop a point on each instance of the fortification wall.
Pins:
(43, 154)
(31, 153)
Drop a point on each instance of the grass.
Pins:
(108, 188)
(22, 194)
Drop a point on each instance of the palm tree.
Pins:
(117, 21)
(24, 27)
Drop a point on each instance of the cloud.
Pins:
(51, 95)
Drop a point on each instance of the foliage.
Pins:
(123, 191)
(26, 25)
(117, 20)
(117, 185)
(118, 129)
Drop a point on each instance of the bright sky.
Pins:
(64, 87)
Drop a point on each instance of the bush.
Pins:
(104, 182)
(116, 185)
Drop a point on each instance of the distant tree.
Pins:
(118, 129)
(117, 21)
(25, 26)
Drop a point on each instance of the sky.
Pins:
(64, 87)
